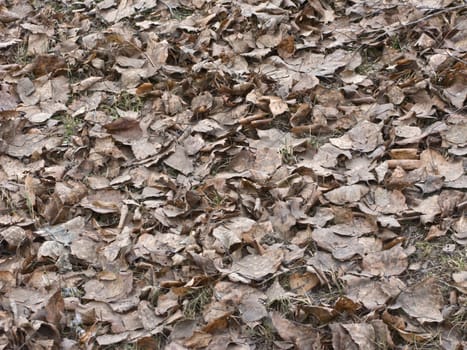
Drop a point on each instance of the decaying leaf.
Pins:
(257, 267)
(232, 174)
(422, 301)
(302, 336)
(346, 194)
(109, 286)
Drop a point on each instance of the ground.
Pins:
(195, 174)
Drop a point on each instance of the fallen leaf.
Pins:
(257, 267)
(303, 336)
(346, 194)
(364, 137)
(422, 301)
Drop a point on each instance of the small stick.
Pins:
(261, 122)
(249, 119)
(404, 153)
(406, 164)
(314, 129)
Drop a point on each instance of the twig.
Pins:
(169, 7)
(424, 18)
(460, 7)
(456, 58)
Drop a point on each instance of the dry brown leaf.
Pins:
(389, 262)
(436, 164)
(460, 228)
(302, 336)
(109, 290)
(257, 267)
(231, 232)
(460, 279)
(422, 301)
(302, 283)
(180, 161)
(344, 247)
(276, 105)
(286, 48)
(372, 294)
(198, 340)
(364, 137)
(143, 164)
(14, 236)
(346, 194)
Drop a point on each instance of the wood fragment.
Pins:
(404, 153)
(261, 122)
(249, 119)
(406, 164)
(313, 129)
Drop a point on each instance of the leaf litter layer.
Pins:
(233, 174)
